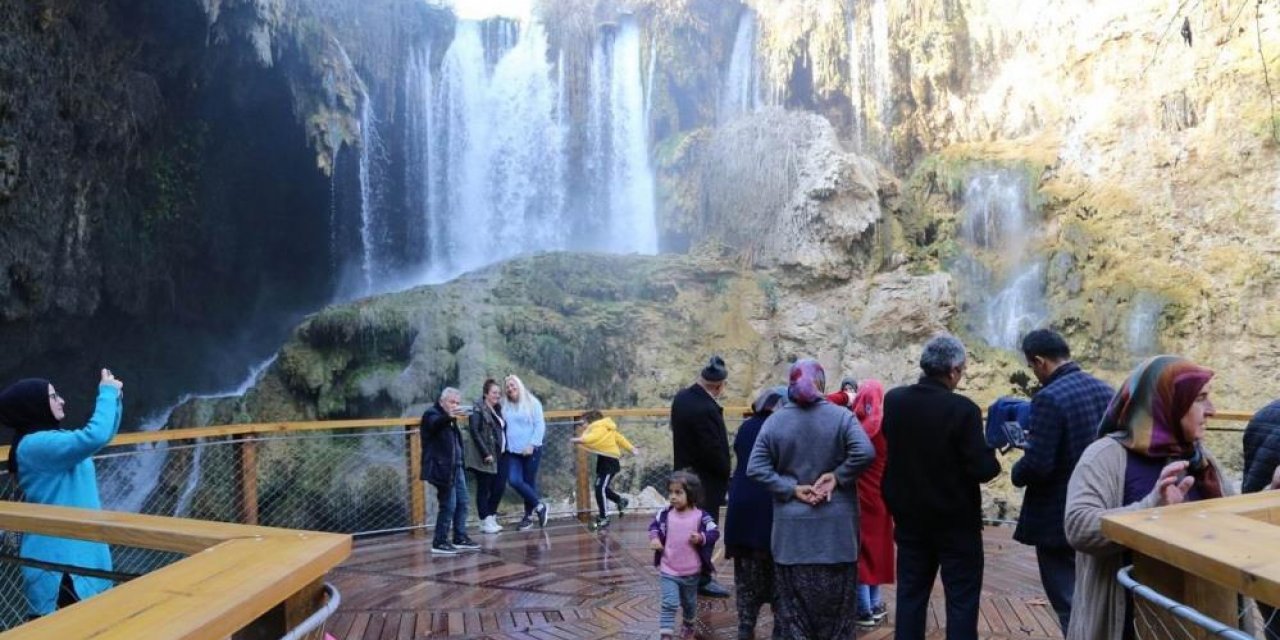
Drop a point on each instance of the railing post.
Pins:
(248, 450)
(417, 493)
(583, 484)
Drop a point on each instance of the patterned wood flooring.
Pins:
(566, 582)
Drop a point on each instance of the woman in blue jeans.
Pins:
(525, 430)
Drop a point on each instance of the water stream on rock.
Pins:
(129, 478)
(870, 74)
(740, 92)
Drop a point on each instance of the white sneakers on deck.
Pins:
(490, 525)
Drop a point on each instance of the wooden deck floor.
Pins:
(566, 582)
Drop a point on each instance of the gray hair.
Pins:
(448, 392)
(941, 354)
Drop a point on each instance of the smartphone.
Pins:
(1017, 437)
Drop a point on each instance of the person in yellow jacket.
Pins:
(602, 438)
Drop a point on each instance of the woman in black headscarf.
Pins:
(53, 465)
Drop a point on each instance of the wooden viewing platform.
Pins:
(566, 582)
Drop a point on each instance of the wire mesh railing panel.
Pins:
(340, 482)
(643, 478)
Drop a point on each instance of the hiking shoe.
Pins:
(599, 523)
(525, 523)
(865, 621)
(623, 503)
(465, 543)
(541, 512)
(443, 549)
(879, 612)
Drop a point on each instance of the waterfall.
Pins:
(870, 74)
(617, 107)
(1002, 278)
(371, 232)
(740, 92)
(1144, 320)
(649, 79)
(488, 149)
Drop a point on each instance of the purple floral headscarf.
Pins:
(808, 383)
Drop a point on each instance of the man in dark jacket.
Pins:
(937, 458)
(701, 445)
(442, 467)
(1064, 420)
(1262, 472)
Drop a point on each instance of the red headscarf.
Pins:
(868, 406)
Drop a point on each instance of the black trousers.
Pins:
(1058, 575)
(921, 553)
(489, 488)
(606, 470)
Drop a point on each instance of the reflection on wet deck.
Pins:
(566, 582)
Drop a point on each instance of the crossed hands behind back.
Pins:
(818, 492)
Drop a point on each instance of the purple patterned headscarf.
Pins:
(808, 382)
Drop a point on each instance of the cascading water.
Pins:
(870, 74)
(1001, 278)
(372, 233)
(740, 92)
(488, 149)
(1144, 321)
(619, 149)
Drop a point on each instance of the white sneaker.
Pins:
(490, 525)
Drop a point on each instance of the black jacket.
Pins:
(699, 438)
(937, 457)
(1261, 448)
(441, 446)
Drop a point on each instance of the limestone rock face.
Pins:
(778, 187)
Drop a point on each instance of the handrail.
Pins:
(261, 428)
(234, 575)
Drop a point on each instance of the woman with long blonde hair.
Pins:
(525, 431)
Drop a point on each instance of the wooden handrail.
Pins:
(1204, 553)
(268, 428)
(234, 575)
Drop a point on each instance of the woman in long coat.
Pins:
(808, 455)
(875, 531)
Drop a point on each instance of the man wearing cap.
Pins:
(701, 445)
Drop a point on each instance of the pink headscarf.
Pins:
(868, 406)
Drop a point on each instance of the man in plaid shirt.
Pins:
(1064, 420)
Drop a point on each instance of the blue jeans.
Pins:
(453, 508)
(522, 475)
(868, 598)
(677, 591)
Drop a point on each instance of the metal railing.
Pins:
(357, 477)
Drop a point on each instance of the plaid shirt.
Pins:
(1064, 420)
(1261, 448)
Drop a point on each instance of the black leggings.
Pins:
(606, 470)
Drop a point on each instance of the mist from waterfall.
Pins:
(1001, 277)
(740, 90)
(870, 74)
(488, 143)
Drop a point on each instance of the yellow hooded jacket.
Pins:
(603, 438)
